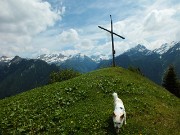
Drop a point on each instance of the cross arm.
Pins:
(111, 32)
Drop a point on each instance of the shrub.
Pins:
(63, 75)
(136, 70)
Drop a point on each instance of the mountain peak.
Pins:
(78, 55)
(5, 59)
(53, 58)
(165, 47)
(16, 59)
(174, 48)
(100, 57)
(140, 46)
(138, 50)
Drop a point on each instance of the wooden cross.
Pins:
(112, 33)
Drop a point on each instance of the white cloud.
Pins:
(33, 26)
(156, 44)
(20, 20)
(151, 27)
(44, 51)
(85, 45)
(158, 20)
(161, 25)
(77, 40)
(69, 36)
(70, 52)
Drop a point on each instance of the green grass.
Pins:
(84, 105)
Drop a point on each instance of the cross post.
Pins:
(112, 33)
(113, 51)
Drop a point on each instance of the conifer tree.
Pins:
(170, 81)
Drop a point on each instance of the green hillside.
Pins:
(84, 106)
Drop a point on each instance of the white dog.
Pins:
(119, 115)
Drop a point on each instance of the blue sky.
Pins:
(31, 28)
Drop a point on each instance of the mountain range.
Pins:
(153, 63)
(138, 56)
(24, 74)
(18, 75)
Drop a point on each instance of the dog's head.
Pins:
(118, 121)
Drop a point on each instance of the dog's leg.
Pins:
(125, 117)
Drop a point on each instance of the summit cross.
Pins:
(112, 33)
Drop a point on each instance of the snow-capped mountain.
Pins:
(99, 58)
(78, 62)
(19, 75)
(174, 48)
(164, 48)
(60, 58)
(16, 60)
(5, 59)
(78, 56)
(138, 51)
(152, 63)
(32, 72)
(53, 58)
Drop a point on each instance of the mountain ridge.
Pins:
(151, 64)
(19, 75)
(60, 58)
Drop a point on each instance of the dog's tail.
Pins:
(115, 95)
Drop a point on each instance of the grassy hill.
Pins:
(84, 105)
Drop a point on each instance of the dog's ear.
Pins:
(122, 116)
(114, 115)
